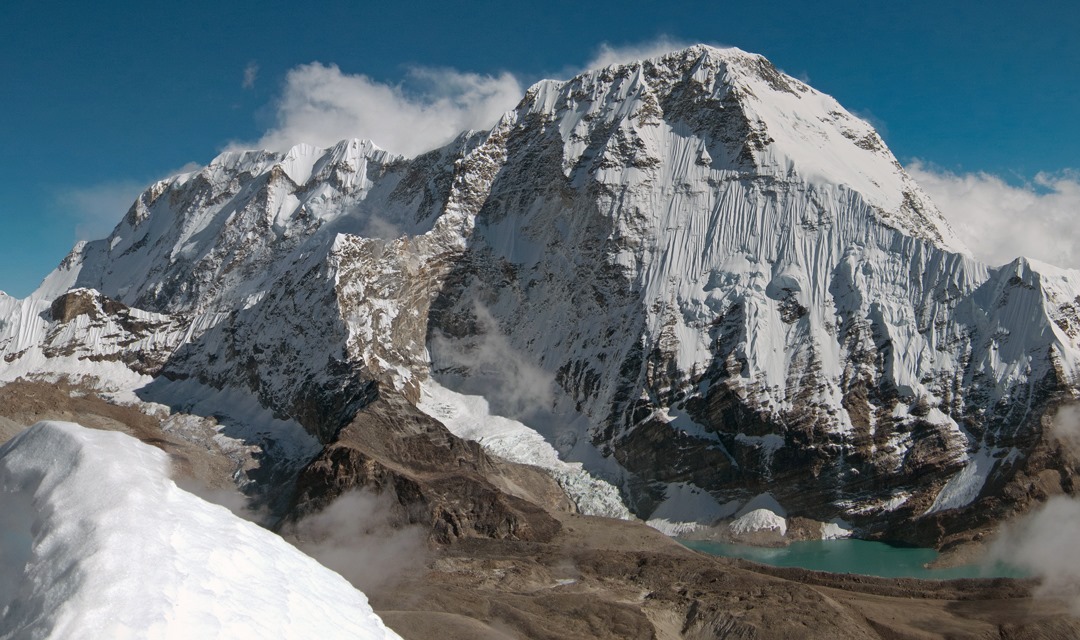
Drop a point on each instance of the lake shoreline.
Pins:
(856, 557)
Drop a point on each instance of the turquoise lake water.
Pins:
(854, 556)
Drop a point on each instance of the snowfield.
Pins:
(97, 542)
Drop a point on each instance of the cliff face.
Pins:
(693, 274)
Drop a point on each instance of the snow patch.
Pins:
(759, 520)
(687, 508)
(836, 529)
(769, 443)
(965, 486)
(895, 502)
(761, 513)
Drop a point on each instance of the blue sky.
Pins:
(102, 98)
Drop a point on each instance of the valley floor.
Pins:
(614, 579)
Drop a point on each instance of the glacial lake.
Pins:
(861, 557)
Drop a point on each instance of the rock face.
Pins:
(687, 272)
(442, 482)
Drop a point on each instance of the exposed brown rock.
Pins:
(22, 403)
(442, 482)
(600, 578)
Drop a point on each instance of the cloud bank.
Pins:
(322, 105)
(1000, 221)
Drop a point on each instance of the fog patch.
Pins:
(486, 364)
(381, 229)
(231, 498)
(1043, 542)
(358, 536)
(1065, 428)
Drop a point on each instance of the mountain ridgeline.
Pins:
(692, 273)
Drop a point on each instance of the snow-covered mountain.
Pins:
(696, 276)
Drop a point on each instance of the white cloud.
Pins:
(362, 536)
(1043, 544)
(1000, 222)
(608, 54)
(251, 73)
(96, 209)
(321, 105)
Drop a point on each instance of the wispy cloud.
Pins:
(1043, 542)
(96, 209)
(321, 105)
(360, 535)
(1000, 221)
(486, 363)
(609, 54)
(251, 73)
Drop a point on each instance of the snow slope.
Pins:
(98, 542)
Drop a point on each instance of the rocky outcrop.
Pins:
(446, 484)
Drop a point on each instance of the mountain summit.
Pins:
(698, 279)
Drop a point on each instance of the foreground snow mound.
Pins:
(97, 542)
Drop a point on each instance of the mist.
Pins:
(231, 498)
(1043, 542)
(1066, 428)
(489, 365)
(358, 536)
